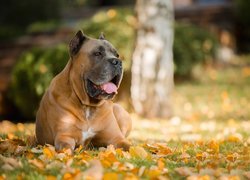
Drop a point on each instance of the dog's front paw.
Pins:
(63, 143)
(124, 144)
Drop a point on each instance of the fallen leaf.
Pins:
(37, 163)
(139, 152)
(107, 158)
(185, 157)
(232, 157)
(213, 147)
(153, 173)
(184, 171)
(110, 176)
(2, 177)
(247, 174)
(198, 177)
(12, 146)
(160, 164)
(10, 163)
(95, 170)
(130, 176)
(141, 171)
(49, 152)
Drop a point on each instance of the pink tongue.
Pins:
(109, 87)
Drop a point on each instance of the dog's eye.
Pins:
(98, 53)
(117, 55)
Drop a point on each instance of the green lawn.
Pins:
(208, 138)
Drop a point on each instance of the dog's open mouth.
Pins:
(107, 89)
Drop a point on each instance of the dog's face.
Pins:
(100, 67)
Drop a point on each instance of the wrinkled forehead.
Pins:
(94, 45)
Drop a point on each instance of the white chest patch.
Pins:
(87, 113)
(88, 134)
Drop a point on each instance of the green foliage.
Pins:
(192, 45)
(43, 26)
(21, 13)
(16, 15)
(32, 75)
(242, 11)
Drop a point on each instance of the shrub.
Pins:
(192, 45)
(32, 75)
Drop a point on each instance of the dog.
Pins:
(77, 107)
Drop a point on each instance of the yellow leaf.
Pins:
(110, 176)
(140, 152)
(197, 177)
(160, 164)
(213, 147)
(79, 149)
(50, 177)
(153, 173)
(107, 158)
(38, 163)
(119, 152)
(130, 176)
(67, 176)
(11, 136)
(2, 177)
(234, 138)
(246, 71)
(232, 157)
(48, 152)
(201, 156)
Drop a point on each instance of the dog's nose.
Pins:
(115, 61)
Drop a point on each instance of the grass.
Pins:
(208, 137)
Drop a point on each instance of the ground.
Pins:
(208, 138)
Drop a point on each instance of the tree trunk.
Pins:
(152, 67)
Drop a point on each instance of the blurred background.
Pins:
(205, 43)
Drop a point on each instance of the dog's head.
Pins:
(97, 65)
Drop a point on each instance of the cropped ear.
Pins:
(102, 37)
(76, 43)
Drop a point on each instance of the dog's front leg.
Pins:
(112, 134)
(63, 141)
(123, 119)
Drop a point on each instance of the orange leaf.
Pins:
(184, 171)
(48, 152)
(153, 173)
(50, 177)
(139, 152)
(201, 156)
(130, 176)
(110, 176)
(107, 158)
(232, 157)
(160, 164)
(213, 147)
(38, 163)
(67, 176)
(2, 177)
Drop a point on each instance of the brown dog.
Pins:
(77, 106)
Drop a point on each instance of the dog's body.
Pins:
(77, 106)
